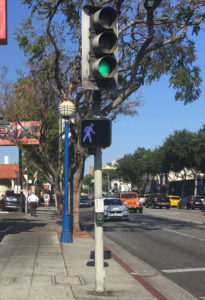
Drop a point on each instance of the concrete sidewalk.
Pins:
(34, 265)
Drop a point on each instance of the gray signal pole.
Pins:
(99, 248)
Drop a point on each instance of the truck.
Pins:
(131, 201)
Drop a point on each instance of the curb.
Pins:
(136, 276)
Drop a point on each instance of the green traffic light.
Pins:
(104, 68)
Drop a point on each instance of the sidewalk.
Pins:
(36, 266)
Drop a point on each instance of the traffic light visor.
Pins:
(105, 42)
(105, 18)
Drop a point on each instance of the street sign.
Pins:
(99, 205)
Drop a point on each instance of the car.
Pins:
(142, 199)
(202, 204)
(115, 209)
(11, 200)
(158, 200)
(85, 201)
(190, 202)
(131, 201)
(174, 200)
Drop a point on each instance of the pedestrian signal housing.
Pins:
(95, 133)
(99, 48)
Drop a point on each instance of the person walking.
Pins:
(46, 198)
(33, 202)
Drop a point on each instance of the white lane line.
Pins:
(184, 270)
(184, 234)
(6, 229)
(180, 219)
(201, 223)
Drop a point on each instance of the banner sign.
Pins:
(27, 133)
(3, 22)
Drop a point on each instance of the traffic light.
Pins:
(91, 170)
(99, 48)
(95, 133)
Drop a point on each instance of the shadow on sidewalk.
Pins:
(17, 225)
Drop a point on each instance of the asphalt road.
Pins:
(171, 241)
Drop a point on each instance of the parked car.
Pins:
(11, 200)
(146, 198)
(158, 200)
(85, 201)
(142, 199)
(174, 200)
(202, 204)
(115, 209)
(190, 202)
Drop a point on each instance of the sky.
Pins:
(159, 116)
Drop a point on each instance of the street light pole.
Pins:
(66, 110)
(66, 235)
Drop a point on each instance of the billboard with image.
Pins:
(25, 132)
(3, 22)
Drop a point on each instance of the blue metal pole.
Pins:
(201, 184)
(66, 236)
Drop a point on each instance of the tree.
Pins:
(31, 98)
(200, 153)
(180, 153)
(153, 41)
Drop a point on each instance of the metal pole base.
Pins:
(66, 235)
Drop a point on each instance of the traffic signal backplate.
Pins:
(95, 133)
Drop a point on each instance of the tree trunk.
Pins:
(76, 181)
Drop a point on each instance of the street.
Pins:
(171, 241)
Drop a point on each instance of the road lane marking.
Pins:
(175, 218)
(201, 223)
(6, 229)
(184, 270)
(184, 234)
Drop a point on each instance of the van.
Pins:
(131, 201)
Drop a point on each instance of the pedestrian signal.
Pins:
(95, 133)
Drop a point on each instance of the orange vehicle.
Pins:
(174, 200)
(131, 201)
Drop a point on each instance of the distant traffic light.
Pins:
(95, 133)
(91, 170)
(99, 48)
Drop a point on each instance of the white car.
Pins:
(115, 209)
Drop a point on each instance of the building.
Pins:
(9, 177)
(115, 184)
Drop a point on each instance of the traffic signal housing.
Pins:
(95, 133)
(99, 48)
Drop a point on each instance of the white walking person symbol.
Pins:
(88, 130)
